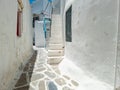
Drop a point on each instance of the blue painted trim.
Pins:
(50, 1)
(44, 27)
(31, 1)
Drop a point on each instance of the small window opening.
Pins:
(68, 25)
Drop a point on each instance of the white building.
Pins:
(90, 30)
(15, 38)
(87, 29)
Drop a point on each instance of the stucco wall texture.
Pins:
(94, 38)
(13, 50)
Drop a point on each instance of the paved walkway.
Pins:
(39, 75)
(49, 77)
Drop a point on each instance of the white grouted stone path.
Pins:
(49, 77)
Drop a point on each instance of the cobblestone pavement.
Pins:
(44, 76)
(49, 77)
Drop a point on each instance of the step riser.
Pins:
(54, 60)
(56, 41)
(55, 53)
(56, 47)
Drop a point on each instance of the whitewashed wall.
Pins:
(13, 50)
(94, 40)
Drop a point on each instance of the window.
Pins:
(19, 18)
(68, 25)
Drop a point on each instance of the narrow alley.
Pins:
(59, 45)
(44, 76)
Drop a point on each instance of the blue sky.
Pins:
(31, 1)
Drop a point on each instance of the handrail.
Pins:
(47, 19)
(44, 27)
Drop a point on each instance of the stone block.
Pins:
(52, 86)
(68, 78)
(50, 74)
(55, 53)
(60, 81)
(67, 88)
(37, 77)
(74, 83)
(42, 85)
(56, 47)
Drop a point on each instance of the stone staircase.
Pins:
(56, 48)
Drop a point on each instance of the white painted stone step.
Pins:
(60, 41)
(56, 32)
(55, 60)
(52, 53)
(56, 47)
(56, 16)
(56, 41)
(57, 23)
(57, 19)
(56, 38)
